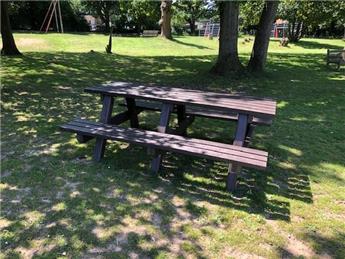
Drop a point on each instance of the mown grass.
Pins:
(57, 203)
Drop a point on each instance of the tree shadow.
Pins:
(310, 44)
(72, 202)
(189, 44)
(307, 44)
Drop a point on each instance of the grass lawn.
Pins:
(56, 202)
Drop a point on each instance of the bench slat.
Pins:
(209, 145)
(181, 138)
(202, 148)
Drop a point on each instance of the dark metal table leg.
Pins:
(108, 103)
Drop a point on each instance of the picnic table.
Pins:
(246, 111)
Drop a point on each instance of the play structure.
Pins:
(54, 9)
(210, 29)
(280, 28)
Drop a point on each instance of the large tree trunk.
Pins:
(8, 45)
(228, 60)
(107, 21)
(165, 21)
(192, 26)
(262, 38)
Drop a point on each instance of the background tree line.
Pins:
(303, 17)
(306, 18)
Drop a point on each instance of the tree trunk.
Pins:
(262, 38)
(107, 21)
(295, 32)
(109, 46)
(165, 21)
(192, 26)
(8, 45)
(228, 60)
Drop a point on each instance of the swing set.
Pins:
(53, 10)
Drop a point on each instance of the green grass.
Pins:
(56, 202)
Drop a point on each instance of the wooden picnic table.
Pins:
(245, 110)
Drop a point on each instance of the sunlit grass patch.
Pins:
(56, 202)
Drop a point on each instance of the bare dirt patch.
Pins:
(294, 247)
(31, 43)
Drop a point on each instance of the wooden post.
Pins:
(46, 16)
(51, 16)
(60, 17)
(56, 20)
(240, 135)
(162, 127)
(108, 103)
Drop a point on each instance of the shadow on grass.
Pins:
(79, 206)
(175, 39)
(309, 44)
(316, 45)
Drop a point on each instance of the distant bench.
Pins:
(336, 56)
(149, 33)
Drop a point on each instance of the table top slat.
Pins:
(260, 107)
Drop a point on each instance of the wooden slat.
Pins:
(259, 107)
(201, 112)
(203, 142)
(168, 142)
(180, 147)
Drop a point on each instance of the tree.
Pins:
(228, 60)
(262, 38)
(250, 12)
(8, 44)
(191, 11)
(104, 9)
(141, 14)
(29, 15)
(165, 21)
(313, 17)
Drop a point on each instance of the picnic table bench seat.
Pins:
(167, 142)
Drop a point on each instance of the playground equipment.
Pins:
(210, 29)
(279, 29)
(54, 9)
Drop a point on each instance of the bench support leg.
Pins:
(83, 138)
(249, 135)
(133, 115)
(108, 103)
(181, 117)
(240, 136)
(162, 127)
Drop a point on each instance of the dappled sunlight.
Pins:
(291, 150)
(58, 202)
